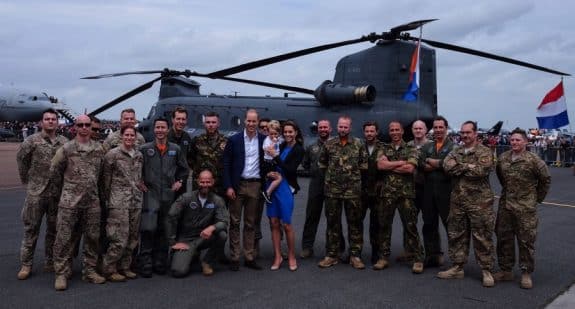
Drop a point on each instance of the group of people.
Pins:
(129, 199)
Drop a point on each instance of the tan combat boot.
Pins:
(488, 281)
(129, 274)
(327, 261)
(61, 283)
(93, 277)
(417, 268)
(381, 264)
(24, 272)
(356, 262)
(207, 269)
(455, 272)
(526, 282)
(116, 277)
(503, 276)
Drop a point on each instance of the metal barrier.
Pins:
(554, 156)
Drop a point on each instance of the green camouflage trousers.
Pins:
(354, 216)
(385, 210)
(122, 233)
(471, 221)
(89, 221)
(520, 225)
(34, 209)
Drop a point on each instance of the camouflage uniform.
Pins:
(436, 195)
(76, 169)
(371, 184)
(471, 211)
(122, 173)
(419, 178)
(343, 188)
(34, 157)
(525, 183)
(115, 139)
(399, 193)
(207, 153)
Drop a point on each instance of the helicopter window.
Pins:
(235, 122)
(313, 127)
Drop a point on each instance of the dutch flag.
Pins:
(552, 112)
(413, 89)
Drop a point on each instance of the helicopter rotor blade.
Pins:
(125, 96)
(411, 26)
(123, 74)
(474, 52)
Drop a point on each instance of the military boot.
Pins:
(327, 261)
(488, 281)
(356, 262)
(526, 282)
(24, 272)
(417, 268)
(61, 283)
(93, 277)
(381, 264)
(116, 277)
(503, 276)
(207, 269)
(129, 274)
(455, 272)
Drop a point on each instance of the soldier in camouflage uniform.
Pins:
(525, 181)
(343, 158)
(207, 151)
(127, 119)
(34, 158)
(122, 176)
(371, 184)
(471, 209)
(76, 172)
(398, 161)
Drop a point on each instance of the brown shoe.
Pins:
(24, 272)
(381, 264)
(129, 274)
(93, 277)
(488, 281)
(327, 261)
(503, 276)
(356, 262)
(526, 282)
(61, 283)
(116, 277)
(207, 270)
(417, 268)
(455, 272)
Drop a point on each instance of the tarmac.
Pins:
(309, 287)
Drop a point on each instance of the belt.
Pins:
(250, 179)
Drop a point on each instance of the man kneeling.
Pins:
(197, 220)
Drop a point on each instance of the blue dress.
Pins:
(282, 198)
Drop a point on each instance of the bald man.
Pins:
(76, 172)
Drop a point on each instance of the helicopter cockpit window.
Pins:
(235, 122)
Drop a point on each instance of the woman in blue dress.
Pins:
(280, 209)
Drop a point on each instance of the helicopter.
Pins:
(28, 105)
(368, 85)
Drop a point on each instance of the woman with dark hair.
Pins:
(280, 210)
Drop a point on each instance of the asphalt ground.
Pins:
(340, 286)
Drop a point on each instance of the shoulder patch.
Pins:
(150, 152)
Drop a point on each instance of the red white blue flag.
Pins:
(552, 112)
(413, 88)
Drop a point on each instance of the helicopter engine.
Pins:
(329, 94)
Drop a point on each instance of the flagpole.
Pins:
(419, 73)
(570, 129)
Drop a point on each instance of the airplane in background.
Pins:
(26, 105)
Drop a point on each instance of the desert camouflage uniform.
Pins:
(343, 165)
(372, 184)
(471, 206)
(76, 169)
(122, 173)
(34, 157)
(399, 193)
(115, 139)
(207, 153)
(525, 182)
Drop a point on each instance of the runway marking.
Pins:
(550, 203)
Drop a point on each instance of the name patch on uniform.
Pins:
(150, 152)
(171, 153)
(194, 205)
(210, 206)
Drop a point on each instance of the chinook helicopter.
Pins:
(368, 85)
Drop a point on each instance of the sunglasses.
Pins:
(83, 125)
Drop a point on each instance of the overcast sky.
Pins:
(49, 45)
